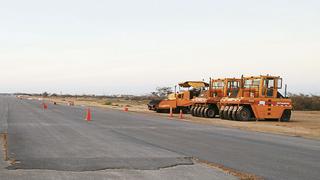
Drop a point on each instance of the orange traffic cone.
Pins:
(44, 106)
(88, 115)
(171, 113)
(181, 114)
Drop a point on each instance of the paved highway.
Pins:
(59, 139)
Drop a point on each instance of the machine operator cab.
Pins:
(262, 86)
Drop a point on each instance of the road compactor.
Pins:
(207, 104)
(180, 100)
(259, 98)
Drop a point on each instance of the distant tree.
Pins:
(45, 94)
(162, 92)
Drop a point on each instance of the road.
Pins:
(59, 139)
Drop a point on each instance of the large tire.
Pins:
(225, 112)
(195, 111)
(234, 113)
(244, 114)
(202, 111)
(199, 111)
(229, 116)
(286, 115)
(206, 112)
(211, 113)
(221, 112)
(192, 110)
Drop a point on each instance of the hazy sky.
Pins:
(107, 47)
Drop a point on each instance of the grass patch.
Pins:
(108, 103)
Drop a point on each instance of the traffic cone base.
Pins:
(88, 115)
(44, 106)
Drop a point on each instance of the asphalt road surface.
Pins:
(59, 139)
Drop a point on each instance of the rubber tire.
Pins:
(202, 111)
(229, 116)
(234, 113)
(286, 115)
(195, 111)
(199, 112)
(192, 111)
(206, 112)
(221, 112)
(211, 113)
(225, 112)
(244, 114)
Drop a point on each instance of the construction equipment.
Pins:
(258, 99)
(180, 100)
(207, 104)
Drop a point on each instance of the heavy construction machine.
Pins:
(180, 100)
(207, 104)
(258, 99)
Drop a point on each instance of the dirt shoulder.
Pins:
(303, 123)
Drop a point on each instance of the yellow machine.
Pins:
(258, 99)
(180, 100)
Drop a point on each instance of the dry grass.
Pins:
(233, 172)
(4, 143)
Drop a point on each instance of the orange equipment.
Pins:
(181, 100)
(207, 104)
(258, 99)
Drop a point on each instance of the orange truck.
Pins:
(208, 103)
(180, 100)
(259, 98)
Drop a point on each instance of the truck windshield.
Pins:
(252, 83)
(218, 85)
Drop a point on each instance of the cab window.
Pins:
(249, 83)
(218, 85)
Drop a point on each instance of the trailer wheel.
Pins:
(244, 114)
(286, 115)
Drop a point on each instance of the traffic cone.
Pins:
(126, 109)
(181, 114)
(171, 113)
(88, 115)
(44, 106)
